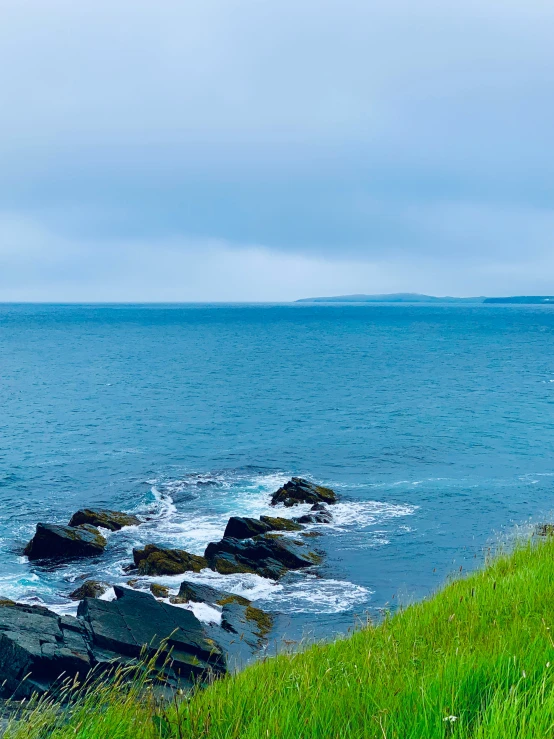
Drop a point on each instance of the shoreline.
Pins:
(469, 660)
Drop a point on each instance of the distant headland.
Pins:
(418, 298)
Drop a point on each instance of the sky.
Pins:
(264, 150)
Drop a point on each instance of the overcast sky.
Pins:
(275, 149)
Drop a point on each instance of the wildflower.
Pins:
(451, 719)
(524, 673)
(548, 664)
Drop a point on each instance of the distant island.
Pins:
(418, 298)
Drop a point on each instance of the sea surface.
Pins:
(435, 424)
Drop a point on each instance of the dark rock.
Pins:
(248, 624)
(112, 520)
(299, 490)
(245, 528)
(318, 507)
(135, 619)
(40, 646)
(266, 556)
(281, 524)
(90, 589)
(52, 541)
(321, 517)
(154, 560)
(159, 591)
(192, 592)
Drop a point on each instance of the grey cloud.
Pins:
(348, 132)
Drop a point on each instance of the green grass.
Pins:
(480, 650)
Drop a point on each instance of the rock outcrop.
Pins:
(265, 556)
(299, 490)
(37, 646)
(64, 542)
(90, 589)
(155, 560)
(112, 520)
(123, 626)
(243, 628)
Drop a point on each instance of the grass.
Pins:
(476, 660)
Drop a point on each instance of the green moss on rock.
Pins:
(154, 560)
(159, 591)
(263, 620)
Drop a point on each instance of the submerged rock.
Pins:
(56, 542)
(155, 560)
(298, 490)
(112, 520)
(90, 589)
(266, 556)
(322, 516)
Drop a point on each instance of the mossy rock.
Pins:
(64, 542)
(311, 534)
(232, 598)
(159, 591)
(281, 524)
(89, 589)
(112, 520)
(7, 602)
(226, 564)
(263, 620)
(545, 529)
(154, 560)
(298, 490)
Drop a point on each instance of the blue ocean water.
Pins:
(434, 423)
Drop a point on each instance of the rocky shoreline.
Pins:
(38, 647)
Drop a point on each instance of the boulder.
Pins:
(245, 528)
(56, 542)
(266, 556)
(112, 520)
(154, 560)
(90, 589)
(124, 626)
(37, 647)
(299, 490)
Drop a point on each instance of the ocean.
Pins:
(434, 423)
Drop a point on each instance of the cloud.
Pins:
(39, 265)
(347, 139)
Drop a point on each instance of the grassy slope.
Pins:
(479, 651)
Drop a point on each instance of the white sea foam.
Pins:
(311, 594)
(204, 505)
(202, 611)
(109, 595)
